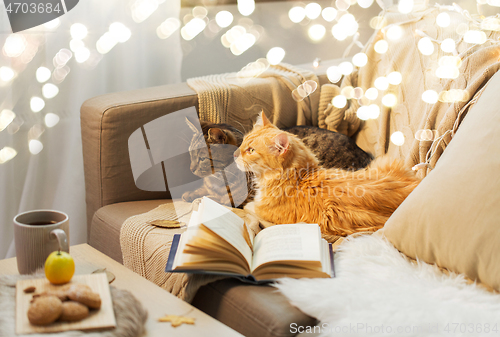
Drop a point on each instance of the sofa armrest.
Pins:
(107, 122)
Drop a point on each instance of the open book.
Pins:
(217, 241)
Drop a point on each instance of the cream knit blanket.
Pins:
(238, 98)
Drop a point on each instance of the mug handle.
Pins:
(62, 239)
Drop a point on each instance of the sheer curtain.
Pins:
(53, 178)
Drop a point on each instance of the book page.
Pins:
(299, 242)
(226, 224)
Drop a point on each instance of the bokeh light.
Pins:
(475, 37)
(51, 120)
(313, 10)
(316, 32)
(275, 55)
(448, 45)
(35, 146)
(371, 94)
(78, 31)
(304, 90)
(405, 6)
(7, 153)
(426, 46)
(398, 138)
(120, 32)
(443, 20)
(297, 14)
(394, 78)
(246, 7)
(360, 60)
(381, 83)
(6, 117)
(346, 68)
(329, 14)
(224, 19)
(168, 27)
(430, 96)
(389, 100)
(339, 101)
(394, 33)
(7, 74)
(14, 45)
(381, 46)
(334, 74)
(50, 90)
(37, 104)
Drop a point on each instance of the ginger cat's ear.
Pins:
(261, 120)
(191, 125)
(281, 144)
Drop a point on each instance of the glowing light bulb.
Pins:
(106, 43)
(371, 94)
(475, 37)
(120, 31)
(346, 68)
(246, 7)
(374, 111)
(313, 10)
(224, 19)
(381, 83)
(426, 46)
(448, 45)
(275, 55)
(82, 55)
(339, 32)
(329, 14)
(398, 138)
(193, 28)
(35, 146)
(381, 46)
(443, 20)
(334, 74)
(339, 101)
(6, 117)
(6, 154)
(365, 3)
(394, 33)
(51, 119)
(142, 9)
(363, 113)
(394, 78)
(360, 60)
(168, 27)
(37, 104)
(430, 96)
(447, 71)
(405, 6)
(243, 43)
(14, 45)
(389, 100)
(349, 24)
(342, 5)
(316, 32)
(348, 92)
(78, 31)
(50, 90)
(6, 74)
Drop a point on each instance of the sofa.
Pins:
(112, 196)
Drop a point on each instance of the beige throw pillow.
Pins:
(453, 217)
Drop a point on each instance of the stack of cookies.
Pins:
(71, 303)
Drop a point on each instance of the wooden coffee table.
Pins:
(156, 300)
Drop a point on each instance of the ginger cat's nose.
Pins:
(236, 153)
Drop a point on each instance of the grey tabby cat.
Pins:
(212, 159)
(224, 183)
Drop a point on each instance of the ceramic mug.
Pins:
(37, 234)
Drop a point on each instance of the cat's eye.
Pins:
(250, 150)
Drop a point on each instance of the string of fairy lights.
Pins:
(238, 36)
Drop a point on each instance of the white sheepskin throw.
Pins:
(378, 292)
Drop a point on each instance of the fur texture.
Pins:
(211, 152)
(291, 187)
(376, 286)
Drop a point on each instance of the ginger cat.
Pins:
(292, 188)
